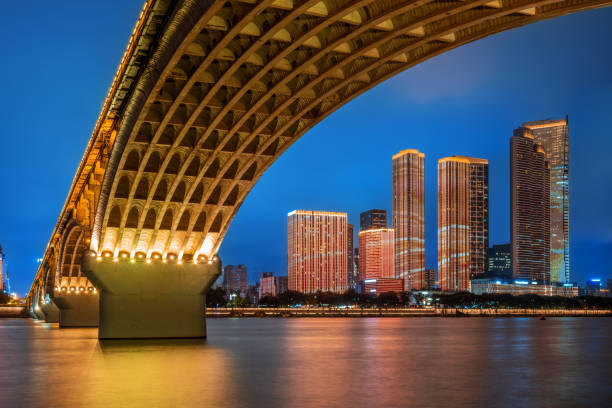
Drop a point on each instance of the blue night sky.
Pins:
(59, 60)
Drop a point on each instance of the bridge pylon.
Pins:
(145, 298)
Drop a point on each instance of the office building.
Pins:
(381, 285)
(409, 214)
(529, 208)
(372, 219)
(376, 254)
(553, 135)
(500, 261)
(1, 269)
(282, 284)
(317, 251)
(235, 279)
(463, 220)
(352, 277)
(522, 287)
(267, 284)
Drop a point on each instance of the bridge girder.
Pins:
(210, 93)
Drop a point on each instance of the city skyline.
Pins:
(25, 241)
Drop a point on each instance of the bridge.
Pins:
(207, 96)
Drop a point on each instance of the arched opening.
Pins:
(193, 168)
(166, 223)
(142, 190)
(196, 197)
(123, 188)
(153, 163)
(132, 161)
(114, 218)
(200, 222)
(132, 219)
(179, 193)
(161, 191)
(183, 224)
(174, 164)
(149, 221)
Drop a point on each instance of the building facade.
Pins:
(372, 219)
(353, 278)
(317, 251)
(376, 259)
(522, 287)
(382, 285)
(553, 135)
(529, 208)
(409, 214)
(282, 284)
(500, 260)
(235, 279)
(267, 285)
(463, 221)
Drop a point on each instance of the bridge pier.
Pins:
(51, 312)
(151, 299)
(77, 310)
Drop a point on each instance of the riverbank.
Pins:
(398, 312)
(12, 311)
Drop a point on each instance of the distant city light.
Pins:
(521, 282)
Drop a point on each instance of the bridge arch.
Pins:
(232, 84)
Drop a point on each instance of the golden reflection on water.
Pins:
(314, 362)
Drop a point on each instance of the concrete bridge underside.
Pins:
(208, 95)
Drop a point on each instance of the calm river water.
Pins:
(316, 362)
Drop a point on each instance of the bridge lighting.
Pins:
(148, 261)
(99, 258)
(115, 259)
(124, 255)
(164, 261)
(179, 262)
(132, 260)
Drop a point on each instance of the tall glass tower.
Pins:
(409, 215)
(463, 220)
(553, 135)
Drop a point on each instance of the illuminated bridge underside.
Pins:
(211, 93)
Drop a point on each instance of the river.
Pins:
(316, 362)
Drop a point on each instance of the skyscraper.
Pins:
(317, 251)
(376, 254)
(352, 277)
(372, 219)
(500, 260)
(529, 207)
(409, 214)
(235, 279)
(463, 220)
(553, 135)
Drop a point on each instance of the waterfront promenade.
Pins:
(398, 312)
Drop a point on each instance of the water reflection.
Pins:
(390, 362)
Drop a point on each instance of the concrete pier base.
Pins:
(152, 299)
(51, 311)
(77, 310)
(37, 313)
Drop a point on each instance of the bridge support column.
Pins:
(77, 310)
(152, 299)
(51, 311)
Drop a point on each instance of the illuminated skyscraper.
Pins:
(317, 251)
(372, 219)
(409, 214)
(529, 207)
(553, 135)
(463, 220)
(376, 254)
